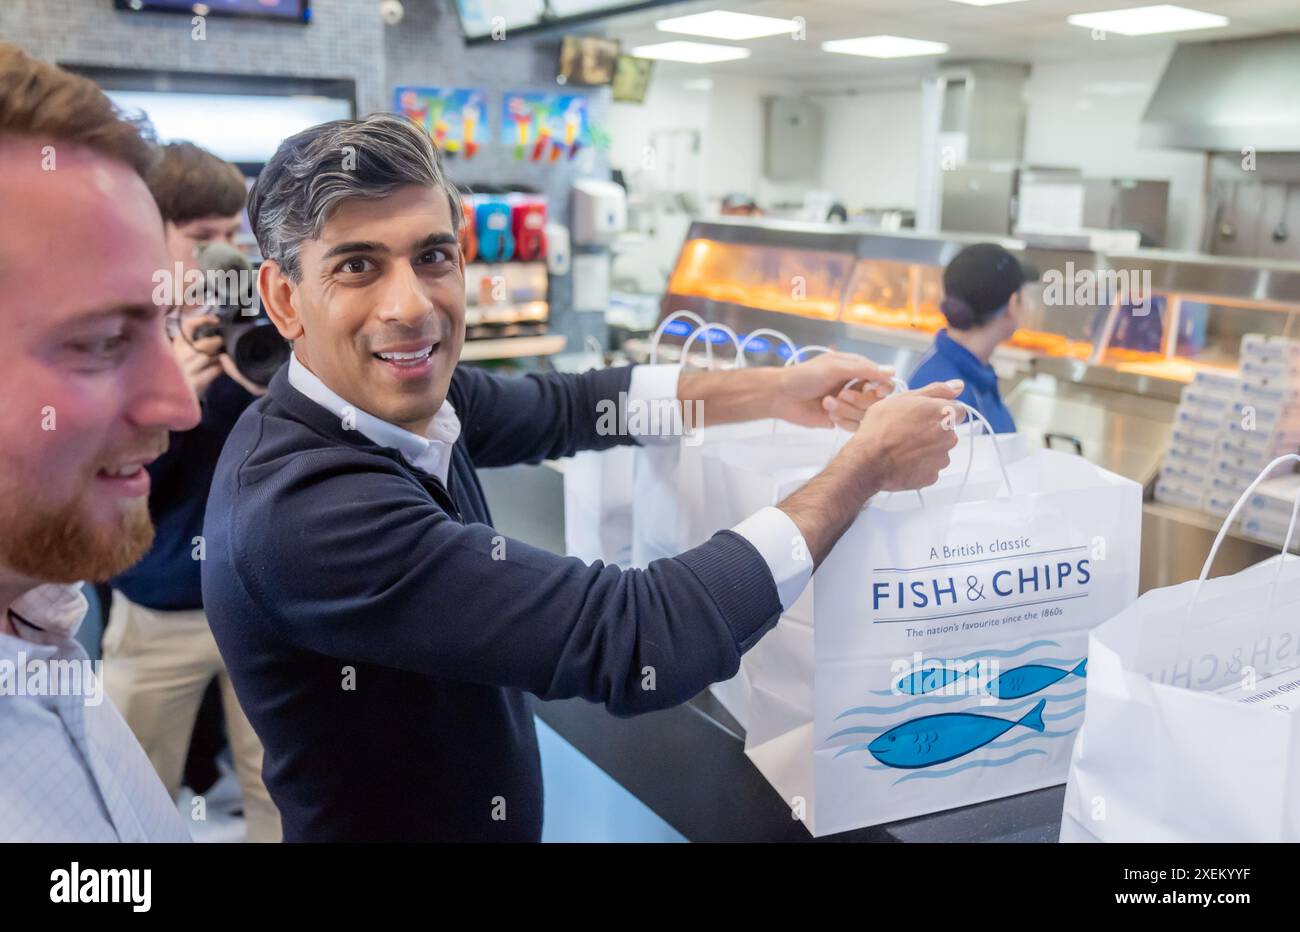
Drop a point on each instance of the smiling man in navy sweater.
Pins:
(381, 636)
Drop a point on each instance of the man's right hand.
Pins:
(200, 359)
(902, 443)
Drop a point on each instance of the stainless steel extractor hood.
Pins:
(1228, 95)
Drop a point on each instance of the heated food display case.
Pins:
(819, 283)
(1106, 344)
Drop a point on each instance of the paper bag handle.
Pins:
(997, 449)
(663, 325)
(768, 332)
(1232, 516)
(708, 345)
(899, 386)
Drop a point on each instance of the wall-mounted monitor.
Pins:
(493, 20)
(496, 19)
(241, 118)
(241, 128)
(632, 79)
(287, 11)
(587, 60)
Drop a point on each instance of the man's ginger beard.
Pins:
(59, 543)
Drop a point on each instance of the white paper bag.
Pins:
(658, 527)
(734, 471)
(1163, 755)
(941, 622)
(782, 663)
(772, 457)
(598, 506)
(742, 474)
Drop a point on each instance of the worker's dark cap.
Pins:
(979, 281)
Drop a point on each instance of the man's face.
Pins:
(379, 312)
(89, 383)
(184, 239)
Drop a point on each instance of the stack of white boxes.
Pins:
(1204, 407)
(1228, 428)
(1268, 512)
(1270, 372)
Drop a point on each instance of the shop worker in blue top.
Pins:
(383, 638)
(981, 300)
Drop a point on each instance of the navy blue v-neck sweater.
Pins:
(382, 636)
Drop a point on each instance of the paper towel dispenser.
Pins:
(599, 212)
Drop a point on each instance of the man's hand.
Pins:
(228, 367)
(816, 393)
(902, 443)
(812, 394)
(202, 360)
(198, 358)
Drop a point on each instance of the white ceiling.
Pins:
(1028, 31)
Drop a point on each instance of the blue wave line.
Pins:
(977, 709)
(860, 730)
(1034, 697)
(996, 745)
(1059, 715)
(930, 774)
(1010, 653)
(1066, 662)
(886, 710)
(1031, 734)
(1065, 697)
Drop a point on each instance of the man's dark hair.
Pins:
(190, 182)
(314, 171)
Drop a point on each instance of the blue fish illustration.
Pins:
(1029, 679)
(936, 739)
(933, 678)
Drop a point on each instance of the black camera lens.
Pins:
(257, 349)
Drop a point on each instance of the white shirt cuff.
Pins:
(778, 541)
(653, 390)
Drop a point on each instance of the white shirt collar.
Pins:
(49, 614)
(431, 453)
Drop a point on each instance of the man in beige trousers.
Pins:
(159, 654)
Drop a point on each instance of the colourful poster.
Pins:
(452, 116)
(544, 127)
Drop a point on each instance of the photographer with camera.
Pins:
(159, 653)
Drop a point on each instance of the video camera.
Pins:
(247, 334)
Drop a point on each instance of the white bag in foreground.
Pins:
(658, 526)
(737, 470)
(598, 506)
(946, 654)
(1164, 754)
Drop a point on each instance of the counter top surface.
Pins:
(688, 765)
